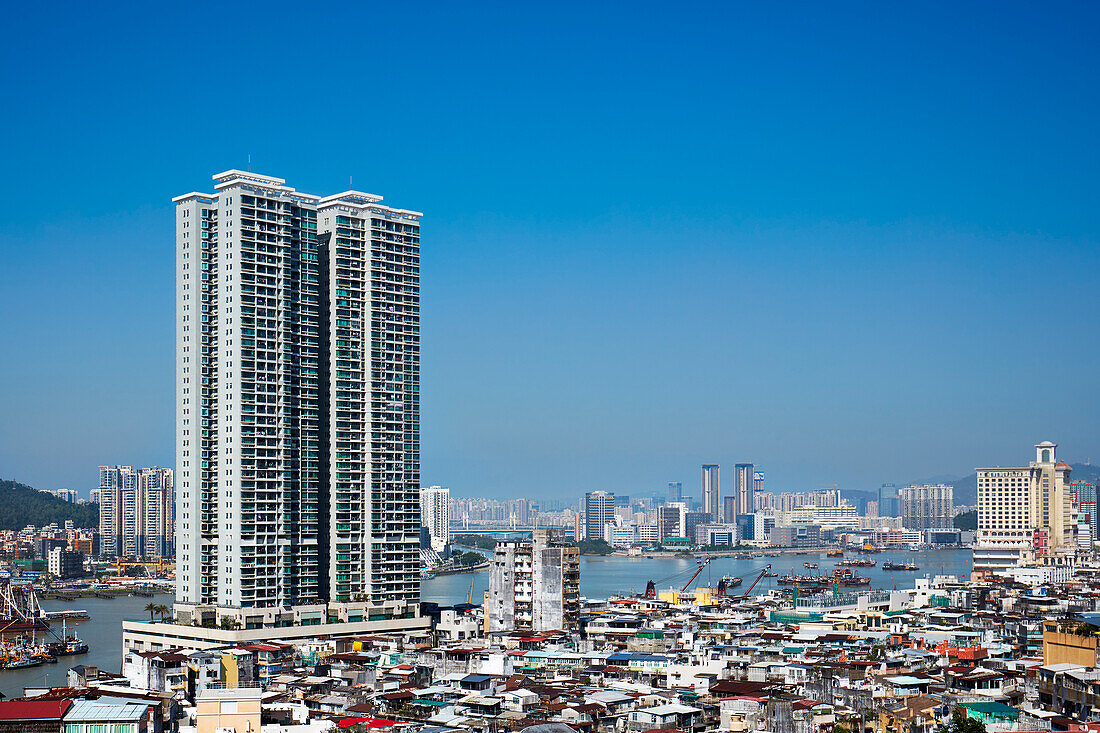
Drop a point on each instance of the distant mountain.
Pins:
(966, 488)
(21, 505)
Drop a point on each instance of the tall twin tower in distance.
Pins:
(298, 397)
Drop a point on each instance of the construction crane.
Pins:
(651, 586)
(696, 575)
(759, 577)
(470, 593)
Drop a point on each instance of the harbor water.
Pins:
(601, 577)
(604, 576)
(103, 632)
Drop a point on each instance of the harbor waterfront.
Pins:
(608, 575)
(102, 632)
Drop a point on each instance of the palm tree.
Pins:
(163, 611)
(151, 608)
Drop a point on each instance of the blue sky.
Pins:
(852, 244)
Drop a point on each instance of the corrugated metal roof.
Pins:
(90, 710)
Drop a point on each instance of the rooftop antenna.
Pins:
(350, 187)
(250, 162)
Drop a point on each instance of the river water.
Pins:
(600, 578)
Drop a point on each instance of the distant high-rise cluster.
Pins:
(137, 512)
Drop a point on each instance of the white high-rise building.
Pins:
(1024, 512)
(298, 387)
(435, 514)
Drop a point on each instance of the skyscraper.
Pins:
(599, 509)
(675, 491)
(711, 490)
(745, 487)
(888, 500)
(435, 514)
(297, 419)
(1024, 512)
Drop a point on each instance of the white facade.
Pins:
(435, 514)
(1040, 575)
(297, 417)
(829, 517)
(620, 535)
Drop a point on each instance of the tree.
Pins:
(967, 520)
(21, 505)
(163, 611)
(151, 608)
(962, 723)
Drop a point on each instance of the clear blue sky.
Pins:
(849, 242)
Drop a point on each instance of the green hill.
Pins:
(21, 505)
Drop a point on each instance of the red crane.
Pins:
(696, 575)
(745, 595)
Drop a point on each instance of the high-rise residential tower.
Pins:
(675, 491)
(298, 387)
(435, 514)
(599, 509)
(136, 512)
(929, 506)
(744, 489)
(711, 490)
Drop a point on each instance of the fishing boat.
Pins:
(21, 662)
(810, 565)
(898, 566)
(731, 581)
(858, 563)
(67, 648)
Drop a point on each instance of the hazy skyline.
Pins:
(851, 244)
